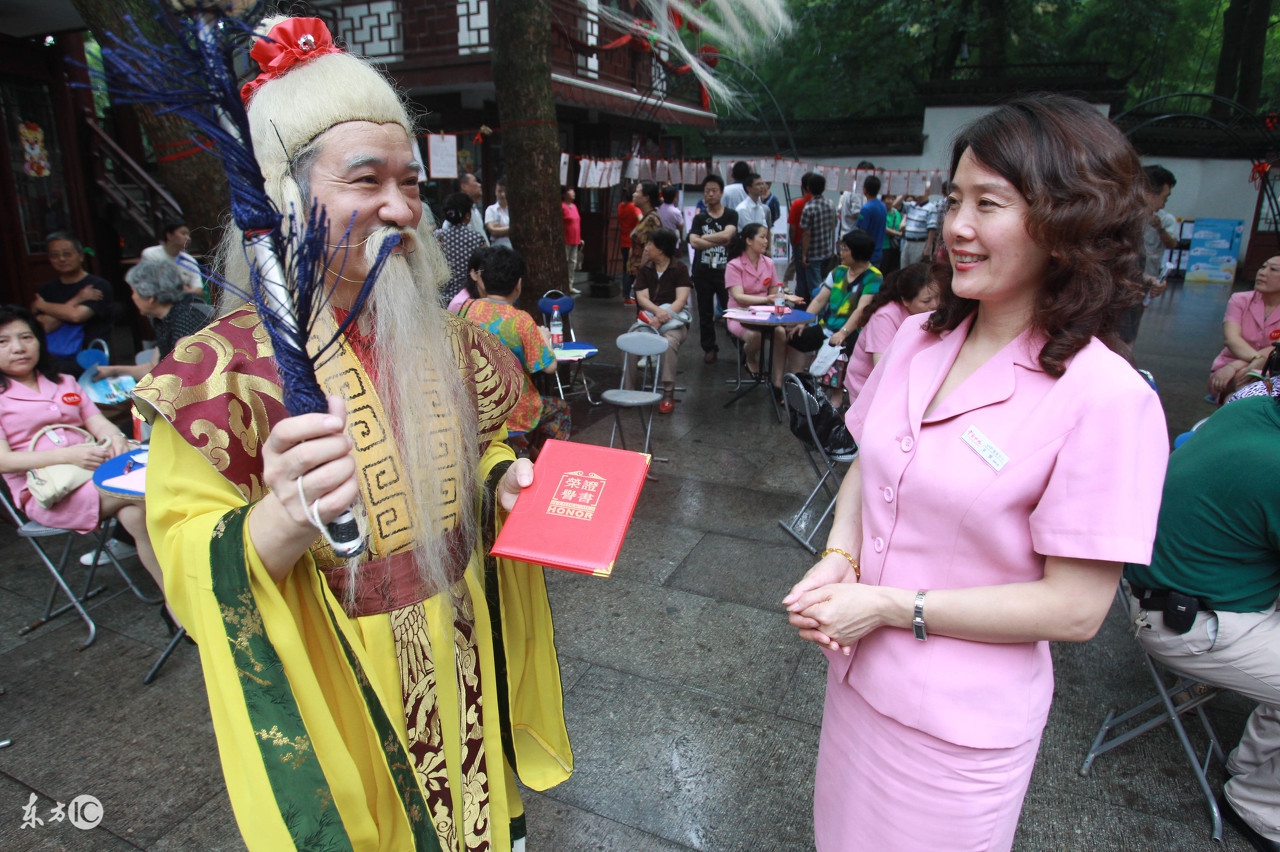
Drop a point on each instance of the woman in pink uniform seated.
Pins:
(750, 279)
(1250, 325)
(904, 293)
(33, 396)
(1010, 464)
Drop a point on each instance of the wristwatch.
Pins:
(917, 620)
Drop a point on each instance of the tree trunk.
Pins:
(1253, 48)
(196, 181)
(947, 47)
(530, 147)
(1226, 79)
(992, 33)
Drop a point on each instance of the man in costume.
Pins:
(387, 703)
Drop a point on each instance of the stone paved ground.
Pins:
(693, 708)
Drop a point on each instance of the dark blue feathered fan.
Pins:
(193, 74)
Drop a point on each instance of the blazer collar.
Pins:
(992, 383)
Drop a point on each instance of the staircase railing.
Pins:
(128, 184)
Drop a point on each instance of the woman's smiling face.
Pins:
(993, 257)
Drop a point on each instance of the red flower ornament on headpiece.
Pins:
(289, 43)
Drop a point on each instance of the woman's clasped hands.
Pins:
(832, 609)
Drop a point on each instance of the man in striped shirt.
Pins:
(919, 228)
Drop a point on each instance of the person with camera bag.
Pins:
(1206, 605)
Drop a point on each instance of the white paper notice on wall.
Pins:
(646, 170)
(442, 155)
(632, 169)
(615, 173)
(564, 169)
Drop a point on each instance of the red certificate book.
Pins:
(577, 511)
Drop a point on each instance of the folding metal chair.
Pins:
(551, 300)
(741, 357)
(802, 406)
(1170, 702)
(643, 341)
(35, 533)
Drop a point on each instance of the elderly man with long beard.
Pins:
(385, 704)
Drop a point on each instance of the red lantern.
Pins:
(709, 55)
(677, 20)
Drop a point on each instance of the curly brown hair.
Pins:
(1085, 193)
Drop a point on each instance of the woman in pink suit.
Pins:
(1010, 464)
(750, 279)
(32, 396)
(1250, 326)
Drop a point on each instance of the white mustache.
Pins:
(408, 239)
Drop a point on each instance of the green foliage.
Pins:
(865, 57)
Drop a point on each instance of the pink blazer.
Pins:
(1014, 466)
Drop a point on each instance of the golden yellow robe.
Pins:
(340, 776)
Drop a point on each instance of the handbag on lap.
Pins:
(49, 484)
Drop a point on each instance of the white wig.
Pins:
(288, 113)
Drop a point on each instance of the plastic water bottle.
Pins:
(557, 328)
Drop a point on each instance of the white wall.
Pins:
(1211, 189)
(1206, 189)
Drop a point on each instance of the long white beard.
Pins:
(429, 403)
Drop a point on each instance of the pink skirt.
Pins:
(884, 786)
(80, 510)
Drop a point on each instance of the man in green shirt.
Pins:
(1206, 605)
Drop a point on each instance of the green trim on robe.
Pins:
(294, 773)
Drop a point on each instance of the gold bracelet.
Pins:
(853, 563)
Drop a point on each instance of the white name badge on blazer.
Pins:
(981, 444)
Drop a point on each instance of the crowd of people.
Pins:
(981, 361)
